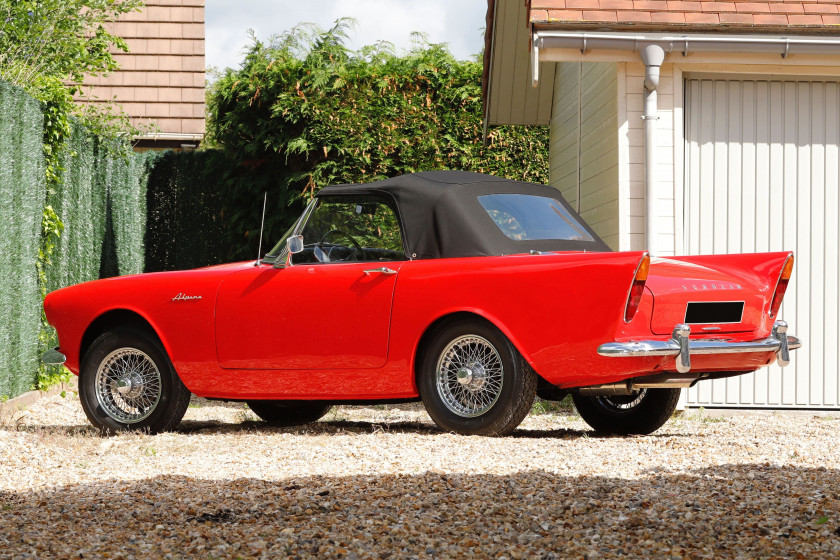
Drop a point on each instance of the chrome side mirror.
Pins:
(294, 244)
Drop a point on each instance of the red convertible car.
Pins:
(467, 292)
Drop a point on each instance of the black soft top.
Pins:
(441, 215)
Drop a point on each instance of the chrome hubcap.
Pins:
(128, 385)
(469, 376)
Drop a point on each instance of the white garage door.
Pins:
(761, 174)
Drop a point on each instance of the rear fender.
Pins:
(555, 308)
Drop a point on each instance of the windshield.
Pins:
(357, 228)
(525, 217)
(281, 245)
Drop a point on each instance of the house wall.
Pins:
(632, 136)
(584, 159)
(804, 172)
(161, 80)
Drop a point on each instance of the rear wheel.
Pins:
(641, 413)
(127, 382)
(289, 413)
(473, 381)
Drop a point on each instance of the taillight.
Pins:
(637, 289)
(781, 286)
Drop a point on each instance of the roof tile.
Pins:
(540, 15)
(820, 9)
(709, 17)
(615, 4)
(683, 6)
(596, 15)
(581, 4)
(752, 7)
(770, 19)
(565, 15)
(639, 16)
(807, 19)
(667, 17)
(717, 6)
(651, 5)
(786, 8)
(743, 14)
(737, 18)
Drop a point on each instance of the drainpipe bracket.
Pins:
(535, 60)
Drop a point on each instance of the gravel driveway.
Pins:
(384, 483)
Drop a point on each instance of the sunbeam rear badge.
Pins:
(184, 297)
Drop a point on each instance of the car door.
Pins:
(330, 309)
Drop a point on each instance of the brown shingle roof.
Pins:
(733, 15)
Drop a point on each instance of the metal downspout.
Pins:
(652, 56)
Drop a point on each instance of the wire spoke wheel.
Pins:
(640, 413)
(128, 385)
(469, 376)
(619, 404)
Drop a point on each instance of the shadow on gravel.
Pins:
(750, 511)
(332, 427)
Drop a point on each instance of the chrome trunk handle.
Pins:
(382, 270)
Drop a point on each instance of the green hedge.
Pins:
(22, 192)
(185, 211)
(101, 200)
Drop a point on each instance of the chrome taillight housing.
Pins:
(781, 286)
(634, 298)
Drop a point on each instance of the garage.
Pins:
(680, 129)
(761, 174)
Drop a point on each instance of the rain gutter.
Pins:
(652, 48)
(492, 31)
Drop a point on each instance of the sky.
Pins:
(459, 23)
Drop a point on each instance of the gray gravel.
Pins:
(382, 482)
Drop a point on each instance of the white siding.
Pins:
(584, 143)
(633, 236)
(761, 174)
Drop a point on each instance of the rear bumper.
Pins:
(681, 347)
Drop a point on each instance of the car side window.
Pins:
(351, 229)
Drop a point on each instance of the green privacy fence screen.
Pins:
(100, 198)
(102, 202)
(22, 193)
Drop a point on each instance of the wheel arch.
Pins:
(452, 317)
(116, 318)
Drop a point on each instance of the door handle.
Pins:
(382, 270)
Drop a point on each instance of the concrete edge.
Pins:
(31, 397)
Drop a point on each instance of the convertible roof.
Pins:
(442, 217)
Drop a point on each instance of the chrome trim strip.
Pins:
(680, 345)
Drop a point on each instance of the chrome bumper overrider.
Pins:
(681, 347)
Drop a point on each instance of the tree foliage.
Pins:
(65, 39)
(303, 112)
(47, 47)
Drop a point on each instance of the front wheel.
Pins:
(473, 381)
(127, 382)
(641, 413)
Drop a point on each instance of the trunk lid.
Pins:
(713, 293)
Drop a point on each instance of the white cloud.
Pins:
(456, 22)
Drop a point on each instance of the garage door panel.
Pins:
(762, 174)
